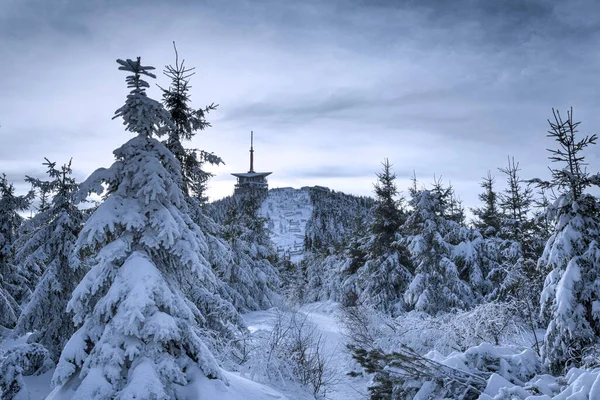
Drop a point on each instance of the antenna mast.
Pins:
(251, 151)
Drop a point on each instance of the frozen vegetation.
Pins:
(151, 292)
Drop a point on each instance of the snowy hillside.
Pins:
(288, 211)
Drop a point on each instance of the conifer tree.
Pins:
(455, 210)
(387, 215)
(385, 274)
(436, 286)
(13, 287)
(515, 276)
(488, 215)
(139, 332)
(186, 123)
(571, 258)
(250, 274)
(515, 203)
(51, 246)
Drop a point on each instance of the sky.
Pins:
(330, 88)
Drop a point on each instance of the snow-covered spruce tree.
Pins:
(186, 123)
(455, 210)
(436, 286)
(515, 275)
(13, 287)
(250, 275)
(18, 361)
(139, 335)
(484, 237)
(385, 274)
(515, 202)
(31, 262)
(488, 216)
(571, 293)
(387, 214)
(51, 246)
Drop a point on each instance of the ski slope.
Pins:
(288, 210)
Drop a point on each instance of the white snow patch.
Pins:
(288, 210)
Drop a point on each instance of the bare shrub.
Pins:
(293, 352)
(494, 322)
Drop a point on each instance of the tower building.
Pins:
(251, 180)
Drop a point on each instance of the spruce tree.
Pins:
(13, 286)
(251, 277)
(385, 274)
(515, 277)
(515, 202)
(437, 285)
(488, 215)
(455, 210)
(51, 246)
(186, 123)
(571, 258)
(139, 332)
(387, 215)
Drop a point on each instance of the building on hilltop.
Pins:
(251, 181)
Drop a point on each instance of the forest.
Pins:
(132, 285)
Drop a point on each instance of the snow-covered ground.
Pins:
(325, 316)
(288, 210)
(237, 387)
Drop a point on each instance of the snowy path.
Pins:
(325, 317)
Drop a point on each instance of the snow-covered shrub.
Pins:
(490, 322)
(18, 361)
(405, 374)
(292, 352)
(321, 278)
(577, 384)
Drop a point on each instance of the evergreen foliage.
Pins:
(488, 215)
(571, 258)
(186, 123)
(251, 276)
(13, 286)
(50, 248)
(386, 270)
(19, 361)
(387, 214)
(437, 285)
(336, 216)
(139, 332)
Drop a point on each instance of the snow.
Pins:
(288, 211)
(201, 387)
(325, 316)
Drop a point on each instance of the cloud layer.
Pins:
(329, 88)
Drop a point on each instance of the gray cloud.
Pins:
(440, 87)
(331, 171)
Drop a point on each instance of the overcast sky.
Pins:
(330, 87)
